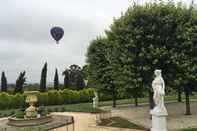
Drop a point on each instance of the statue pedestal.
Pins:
(159, 122)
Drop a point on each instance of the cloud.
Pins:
(25, 39)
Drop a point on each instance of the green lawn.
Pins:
(83, 107)
(87, 107)
(120, 123)
(190, 129)
(143, 100)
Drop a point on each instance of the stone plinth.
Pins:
(57, 122)
(159, 122)
(29, 122)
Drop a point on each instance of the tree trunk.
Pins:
(187, 102)
(179, 95)
(151, 101)
(136, 100)
(114, 100)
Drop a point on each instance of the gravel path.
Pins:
(86, 122)
(176, 119)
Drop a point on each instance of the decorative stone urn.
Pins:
(31, 99)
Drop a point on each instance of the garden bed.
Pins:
(120, 123)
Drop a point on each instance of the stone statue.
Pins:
(159, 112)
(95, 100)
(158, 86)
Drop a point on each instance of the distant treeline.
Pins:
(74, 78)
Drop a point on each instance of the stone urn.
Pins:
(31, 99)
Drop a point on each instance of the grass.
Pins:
(5, 113)
(145, 100)
(87, 107)
(83, 107)
(121, 123)
(189, 129)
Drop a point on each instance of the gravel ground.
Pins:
(176, 119)
(86, 122)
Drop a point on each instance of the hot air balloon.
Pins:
(57, 33)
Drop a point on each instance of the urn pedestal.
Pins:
(31, 99)
(159, 122)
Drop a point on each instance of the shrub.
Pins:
(17, 101)
(42, 111)
(4, 101)
(43, 98)
(52, 97)
(19, 114)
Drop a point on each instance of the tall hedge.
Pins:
(54, 97)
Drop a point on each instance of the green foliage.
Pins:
(65, 96)
(11, 101)
(20, 82)
(19, 114)
(189, 129)
(42, 111)
(66, 74)
(52, 97)
(79, 108)
(56, 80)
(3, 82)
(4, 100)
(43, 79)
(74, 77)
(121, 123)
(100, 71)
(145, 38)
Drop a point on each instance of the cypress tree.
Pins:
(20, 82)
(3, 82)
(56, 80)
(43, 78)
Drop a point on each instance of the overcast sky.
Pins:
(25, 41)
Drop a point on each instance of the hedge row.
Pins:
(53, 97)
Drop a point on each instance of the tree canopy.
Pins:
(145, 38)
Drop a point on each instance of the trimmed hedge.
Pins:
(52, 97)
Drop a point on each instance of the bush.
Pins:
(17, 101)
(52, 97)
(42, 111)
(4, 101)
(19, 114)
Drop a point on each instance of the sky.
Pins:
(26, 43)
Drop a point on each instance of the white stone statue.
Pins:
(95, 100)
(158, 86)
(159, 112)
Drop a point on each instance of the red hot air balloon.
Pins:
(57, 33)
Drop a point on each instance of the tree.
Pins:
(56, 80)
(145, 38)
(74, 77)
(20, 82)
(80, 83)
(3, 82)
(85, 72)
(139, 42)
(100, 73)
(43, 78)
(66, 74)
